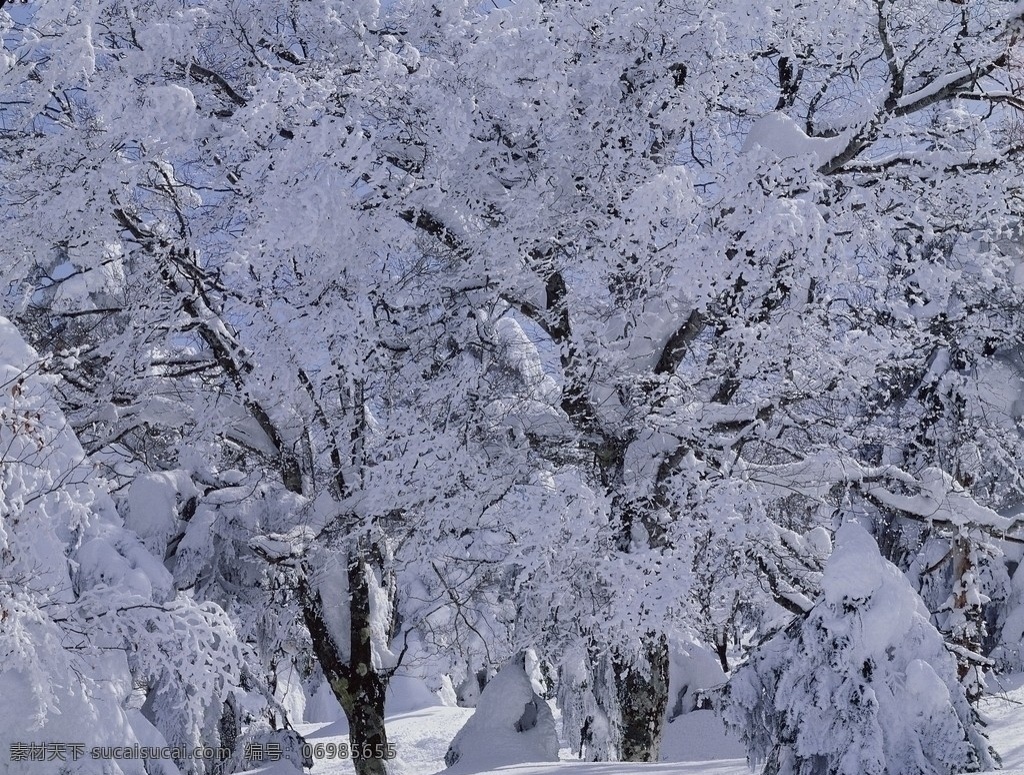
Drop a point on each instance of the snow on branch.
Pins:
(932, 496)
(283, 549)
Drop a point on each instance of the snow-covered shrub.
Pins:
(96, 648)
(862, 685)
(512, 724)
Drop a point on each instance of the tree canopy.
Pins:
(430, 333)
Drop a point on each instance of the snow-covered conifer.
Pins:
(861, 685)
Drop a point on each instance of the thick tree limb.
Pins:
(200, 73)
(677, 344)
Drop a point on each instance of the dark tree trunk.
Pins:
(228, 725)
(722, 649)
(359, 688)
(643, 700)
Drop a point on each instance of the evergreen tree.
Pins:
(863, 683)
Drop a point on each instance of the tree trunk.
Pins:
(968, 624)
(722, 649)
(643, 700)
(641, 680)
(359, 688)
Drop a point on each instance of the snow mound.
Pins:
(408, 693)
(512, 724)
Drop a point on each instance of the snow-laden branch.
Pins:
(185, 279)
(944, 87)
(932, 496)
(283, 548)
(927, 163)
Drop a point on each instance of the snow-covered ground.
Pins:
(1003, 710)
(694, 744)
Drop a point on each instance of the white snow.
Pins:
(695, 744)
(856, 573)
(421, 730)
(777, 133)
(79, 591)
(855, 569)
(152, 508)
(926, 687)
(331, 579)
(423, 276)
(1003, 711)
(700, 736)
(511, 724)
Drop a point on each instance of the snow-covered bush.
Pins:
(96, 649)
(512, 724)
(861, 685)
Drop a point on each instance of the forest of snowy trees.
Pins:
(347, 339)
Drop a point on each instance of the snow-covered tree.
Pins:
(147, 275)
(735, 249)
(98, 648)
(862, 684)
(579, 322)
